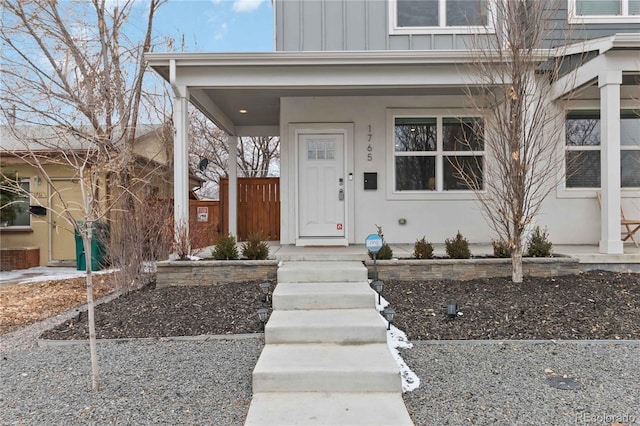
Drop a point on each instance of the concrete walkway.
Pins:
(326, 359)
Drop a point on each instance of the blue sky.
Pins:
(217, 25)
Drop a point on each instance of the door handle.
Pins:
(341, 194)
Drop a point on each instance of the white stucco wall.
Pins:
(571, 218)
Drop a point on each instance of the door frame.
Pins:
(347, 132)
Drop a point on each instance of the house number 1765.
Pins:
(369, 147)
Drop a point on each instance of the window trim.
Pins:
(623, 18)
(28, 199)
(562, 191)
(439, 193)
(394, 29)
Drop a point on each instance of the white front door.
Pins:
(321, 188)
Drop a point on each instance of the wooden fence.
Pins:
(204, 222)
(258, 207)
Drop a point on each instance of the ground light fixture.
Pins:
(265, 287)
(389, 314)
(452, 309)
(378, 285)
(263, 314)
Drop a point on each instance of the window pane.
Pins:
(629, 128)
(598, 7)
(466, 13)
(20, 208)
(634, 7)
(462, 134)
(458, 172)
(583, 128)
(420, 13)
(415, 134)
(630, 168)
(415, 173)
(583, 169)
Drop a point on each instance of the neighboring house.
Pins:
(349, 75)
(44, 229)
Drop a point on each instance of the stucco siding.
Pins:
(437, 219)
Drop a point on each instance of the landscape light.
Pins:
(452, 309)
(378, 285)
(389, 314)
(265, 287)
(263, 314)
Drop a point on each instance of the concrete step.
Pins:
(344, 326)
(304, 272)
(329, 409)
(323, 295)
(326, 368)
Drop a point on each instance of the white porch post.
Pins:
(233, 185)
(609, 83)
(181, 166)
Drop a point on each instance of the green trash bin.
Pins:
(98, 250)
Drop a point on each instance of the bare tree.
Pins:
(70, 67)
(209, 151)
(513, 71)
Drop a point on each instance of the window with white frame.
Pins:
(16, 211)
(583, 142)
(426, 16)
(438, 153)
(604, 11)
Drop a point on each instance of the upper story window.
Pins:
(583, 145)
(604, 11)
(439, 16)
(16, 212)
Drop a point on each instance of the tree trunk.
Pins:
(516, 264)
(93, 346)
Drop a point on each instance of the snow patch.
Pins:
(397, 339)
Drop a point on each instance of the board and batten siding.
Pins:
(563, 33)
(359, 25)
(344, 25)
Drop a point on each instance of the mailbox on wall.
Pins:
(371, 180)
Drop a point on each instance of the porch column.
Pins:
(181, 166)
(609, 83)
(233, 184)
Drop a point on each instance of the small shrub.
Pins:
(501, 248)
(458, 247)
(538, 244)
(254, 248)
(385, 252)
(422, 249)
(226, 249)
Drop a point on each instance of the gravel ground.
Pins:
(143, 383)
(209, 382)
(506, 384)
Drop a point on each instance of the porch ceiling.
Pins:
(263, 105)
(223, 85)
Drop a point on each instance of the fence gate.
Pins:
(258, 207)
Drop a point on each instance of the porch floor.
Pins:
(588, 255)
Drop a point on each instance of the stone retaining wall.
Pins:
(466, 269)
(209, 272)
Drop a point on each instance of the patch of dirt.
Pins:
(25, 304)
(590, 305)
(172, 311)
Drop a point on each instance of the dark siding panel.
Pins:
(334, 25)
(378, 25)
(291, 27)
(356, 25)
(312, 17)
